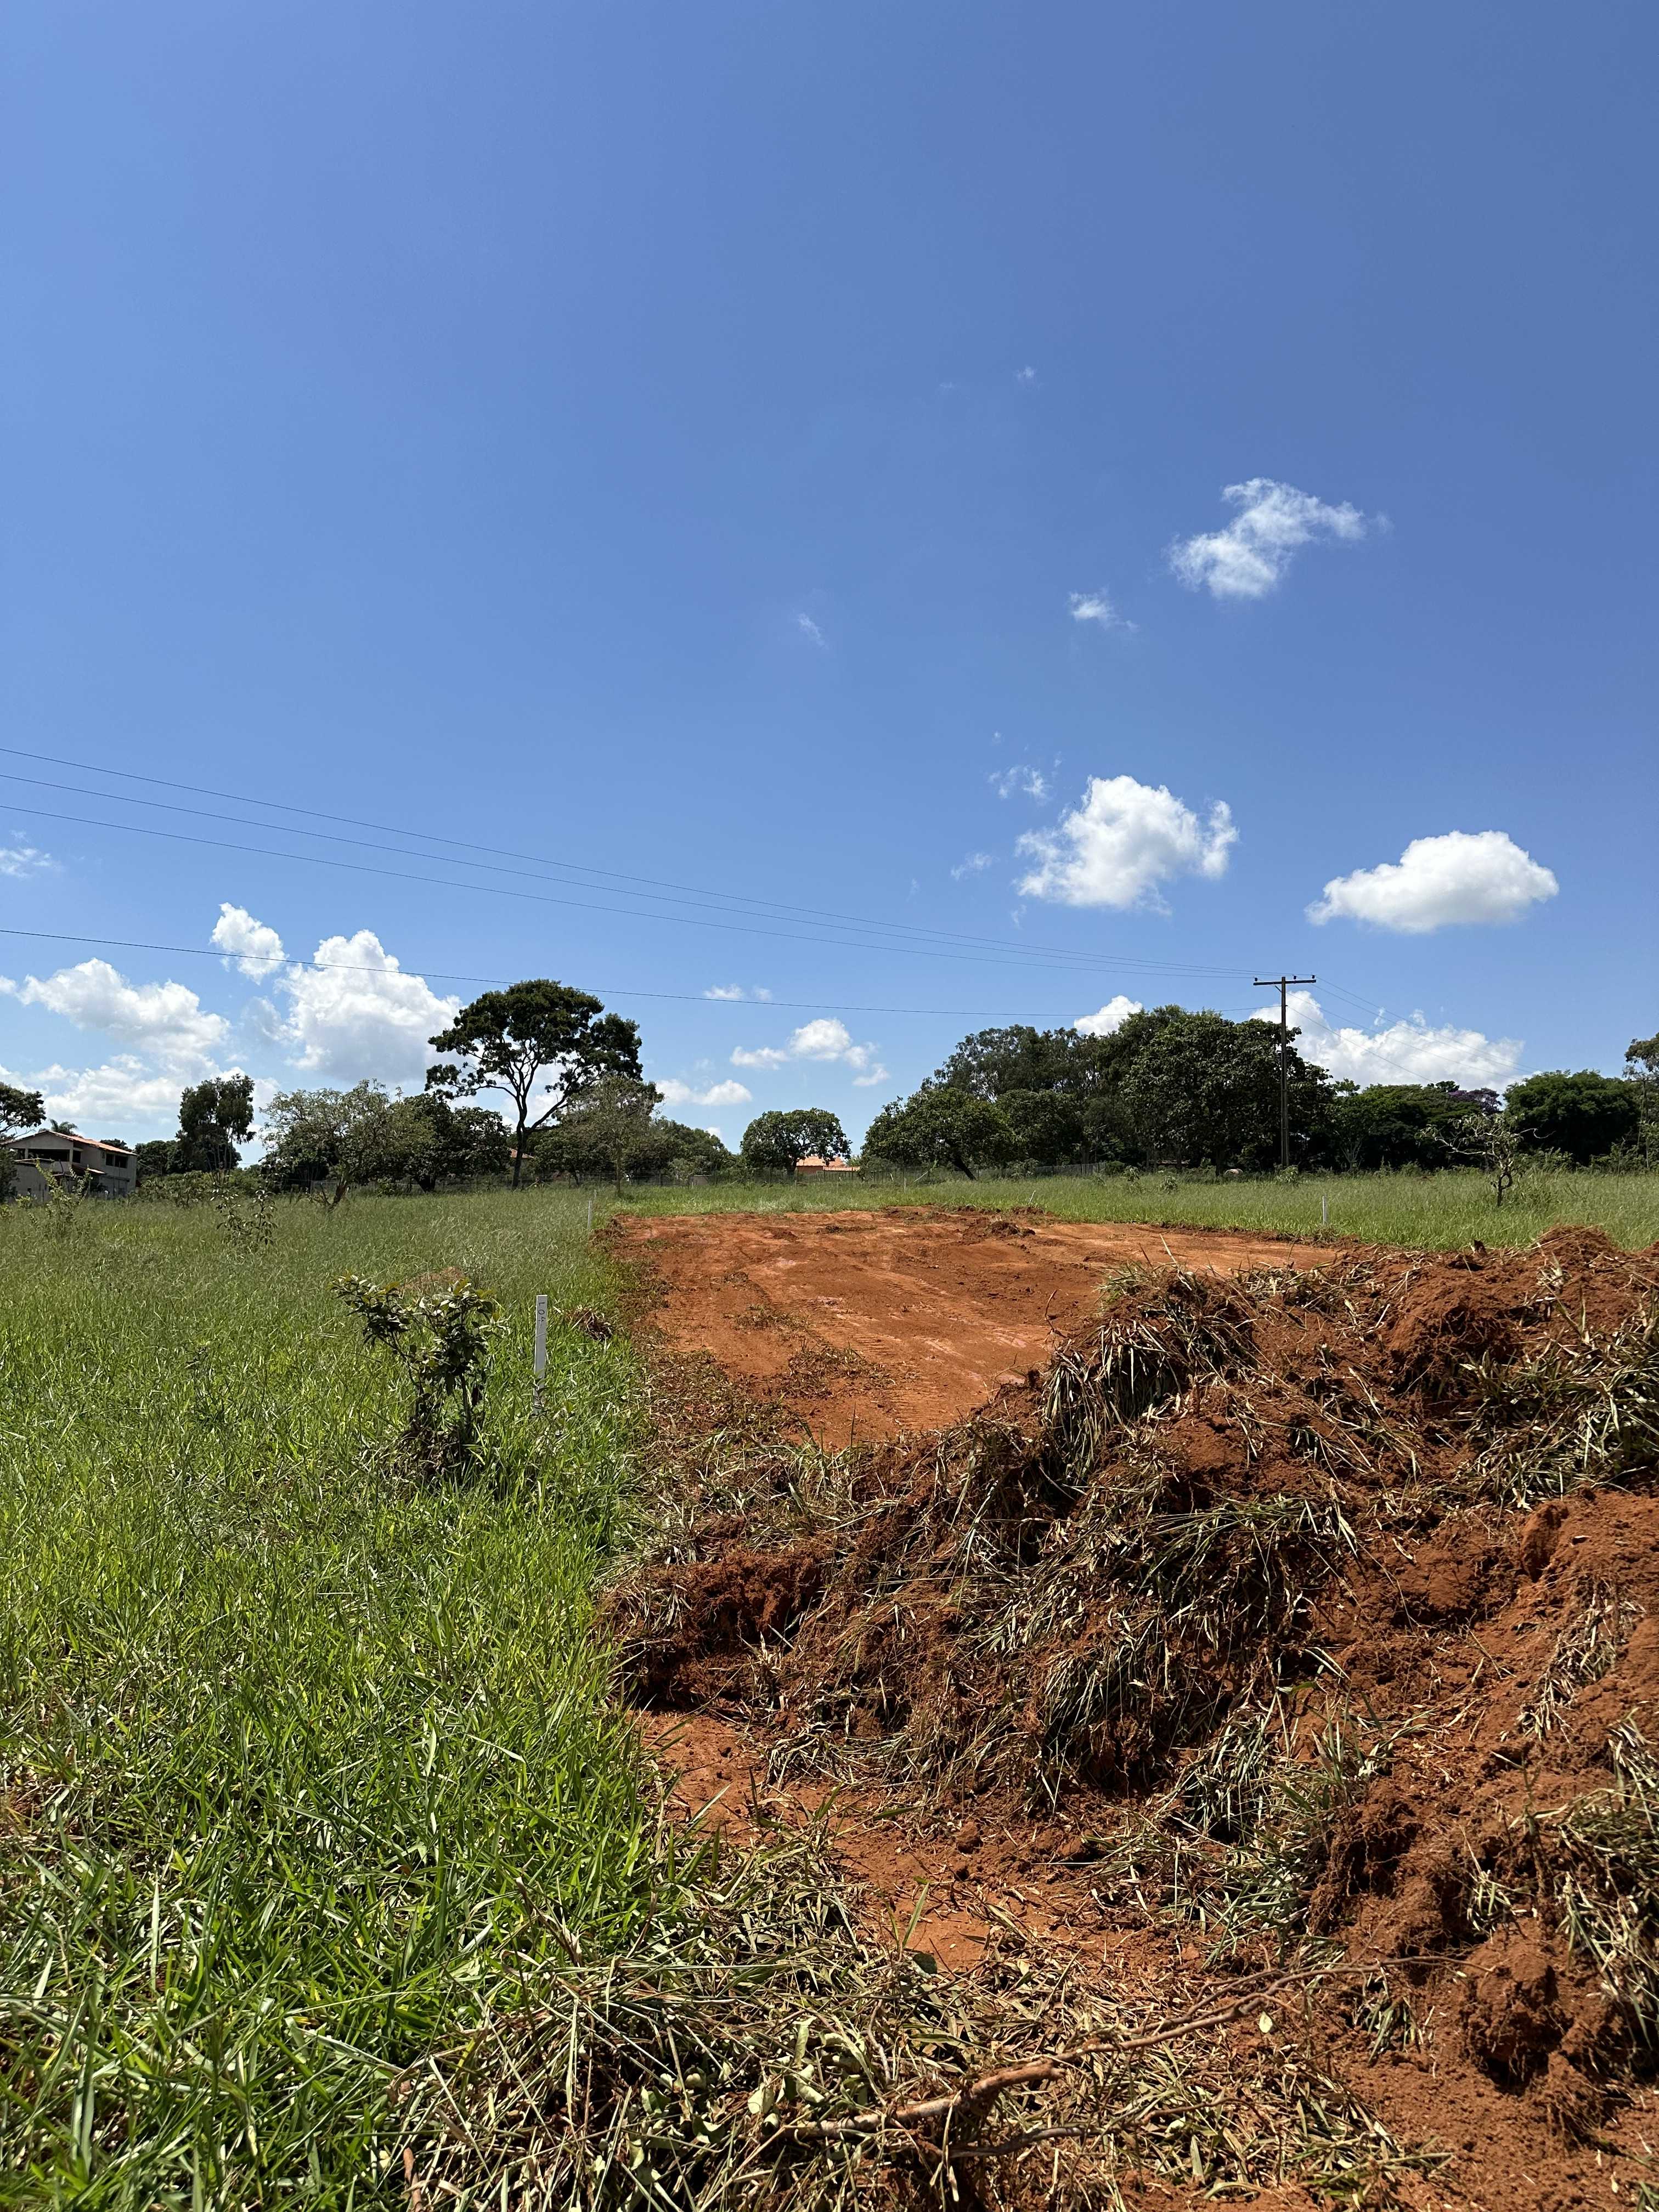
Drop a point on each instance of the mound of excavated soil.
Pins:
(1280, 1619)
(862, 1325)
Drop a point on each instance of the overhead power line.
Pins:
(1080, 963)
(658, 889)
(274, 963)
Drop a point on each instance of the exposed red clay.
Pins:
(868, 1324)
(1453, 1622)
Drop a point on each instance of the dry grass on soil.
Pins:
(1300, 1624)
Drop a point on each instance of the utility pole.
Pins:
(1282, 984)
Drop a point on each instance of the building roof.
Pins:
(73, 1137)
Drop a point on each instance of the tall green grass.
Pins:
(1438, 1211)
(297, 1753)
(304, 1764)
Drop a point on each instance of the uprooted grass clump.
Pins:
(761, 2048)
(1093, 1576)
(1330, 1593)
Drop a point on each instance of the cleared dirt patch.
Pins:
(863, 1325)
(1302, 1623)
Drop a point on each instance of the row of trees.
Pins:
(568, 1072)
(1168, 1086)
(1180, 1088)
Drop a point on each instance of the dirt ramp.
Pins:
(865, 1325)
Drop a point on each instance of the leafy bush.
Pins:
(439, 1329)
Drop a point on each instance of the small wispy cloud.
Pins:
(809, 629)
(25, 860)
(737, 991)
(1249, 558)
(975, 864)
(1026, 375)
(825, 1039)
(1029, 782)
(728, 1093)
(1097, 607)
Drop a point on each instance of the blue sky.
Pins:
(783, 453)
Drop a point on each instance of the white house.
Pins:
(58, 1156)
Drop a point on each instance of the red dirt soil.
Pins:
(1449, 1627)
(866, 1325)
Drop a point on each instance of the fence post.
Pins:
(541, 1348)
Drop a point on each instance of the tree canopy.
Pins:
(939, 1126)
(534, 1037)
(214, 1116)
(796, 1133)
(1401, 1125)
(20, 1111)
(1584, 1116)
(363, 1135)
(1165, 1085)
(609, 1131)
(153, 1158)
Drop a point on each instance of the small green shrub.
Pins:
(439, 1329)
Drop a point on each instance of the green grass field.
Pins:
(1438, 1211)
(298, 1754)
(304, 1760)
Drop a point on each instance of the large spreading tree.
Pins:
(609, 1131)
(536, 1042)
(1164, 1084)
(1197, 1087)
(939, 1126)
(783, 1139)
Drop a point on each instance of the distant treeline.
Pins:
(1168, 1087)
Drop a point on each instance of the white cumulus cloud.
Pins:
(1112, 1016)
(737, 991)
(1097, 607)
(122, 1098)
(254, 945)
(823, 1039)
(676, 1093)
(165, 1021)
(1400, 1052)
(1465, 876)
(355, 1012)
(973, 865)
(1121, 842)
(1249, 558)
